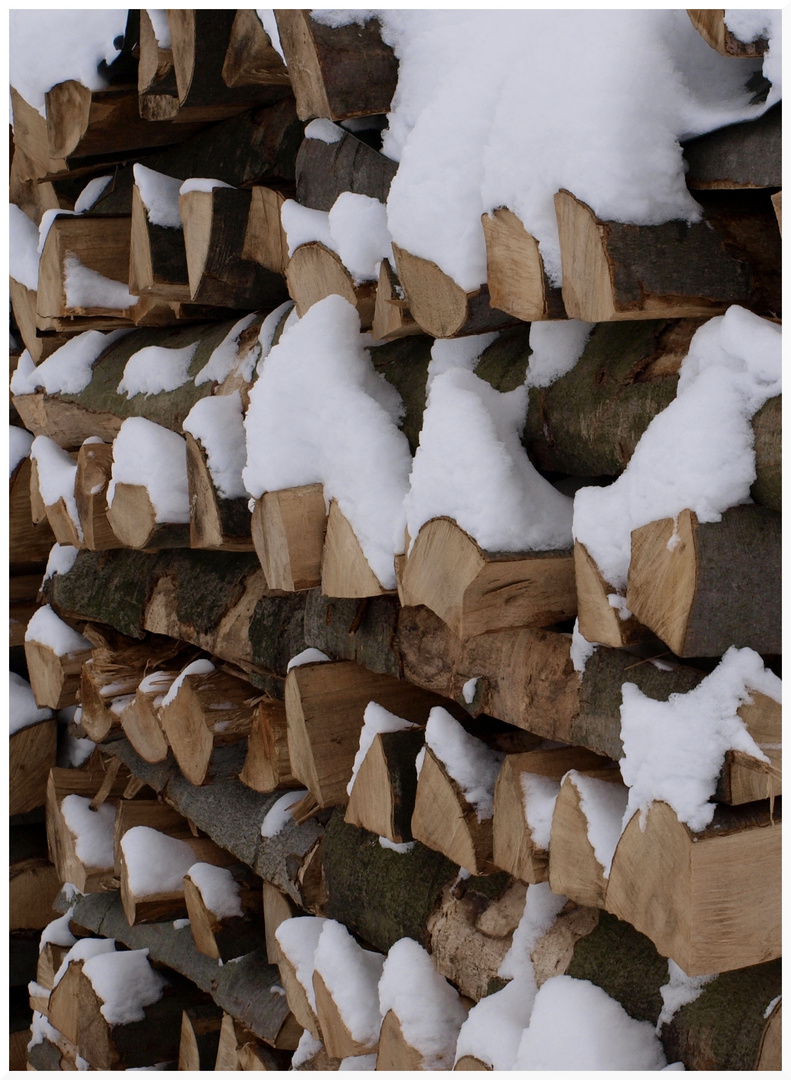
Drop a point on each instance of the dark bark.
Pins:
(325, 170)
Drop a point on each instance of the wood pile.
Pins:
(274, 811)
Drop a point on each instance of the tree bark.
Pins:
(325, 170)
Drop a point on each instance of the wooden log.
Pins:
(265, 239)
(267, 766)
(31, 754)
(30, 136)
(345, 571)
(288, 529)
(28, 542)
(597, 619)
(250, 58)
(744, 778)
(476, 591)
(383, 797)
(439, 306)
(61, 841)
(613, 271)
(28, 195)
(140, 718)
(216, 934)
(254, 1056)
(767, 489)
(324, 170)
(702, 587)
(518, 283)
(54, 676)
(134, 520)
(777, 203)
(710, 24)
(215, 224)
(216, 523)
(151, 813)
(392, 319)
(200, 1037)
(59, 514)
(295, 963)
(336, 72)
(24, 303)
(315, 272)
(710, 900)
(157, 257)
(232, 1037)
(33, 881)
(94, 466)
(276, 908)
(339, 1041)
(515, 847)
(745, 155)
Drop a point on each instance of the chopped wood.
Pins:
(711, 899)
(267, 766)
(222, 937)
(157, 257)
(60, 839)
(265, 239)
(767, 488)
(29, 542)
(338, 1040)
(24, 302)
(216, 523)
(55, 679)
(439, 306)
(597, 619)
(710, 24)
(288, 528)
(315, 272)
(152, 813)
(326, 169)
(296, 996)
(744, 777)
(276, 908)
(94, 466)
(675, 270)
(383, 797)
(395, 1053)
(745, 155)
(64, 528)
(336, 72)
(345, 571)
(30, 136)
(518, 283)
(392, 318)
(251, 59)
(31, 752)
(200, 1037)
(702, 587)
(254, 1056)
(133, 518)
(140, 720)
(24, 192)
(777, 203)
(33, 880)
(232, 1038)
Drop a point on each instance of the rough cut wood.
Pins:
(597, 619)
(135, 522)
(265, 239)
(216, 523)
(24, 302)
(745, 778)
(94, 466)
(288, 529)
(345, 571)
(157, 257)
(439, 306)
(392, 319)
(140, 719)
(395, 1053)
(746, 155)
(326, 169)
(476, 591)
(33, 881)
(613, 271)
(276, 908)
(297, 996)
(338, 1040)
(25, 193)
(28, 542)
(574, 869)
(64, 528)
(383, 796)
(30, 136)
(200, 1037)
(336, 72)
(315, 272)
(31, 753)
(251, 59)
(224, 938)
(710, 24)
(518, 283)
(710, 900)
(55, 679)
(267, 766)
(702, 587)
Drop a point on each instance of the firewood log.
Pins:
(255, 1056)
(133, 518)
(30, 136)
(215, 224)
(94, 465)
(597, 619)
(326, 169)
(265, 239)
(276, 908)
(315, 272)
(711, 899)
(216, 934)
(476, 591)
(288, 529)
(28, 195)
(702, 587)
(140, 718)
(710, 24)
(200, 1037)
(383, 797)
(345, 571)
(232, 1037)
(157, 257)
(392, 318)
(22, 604)
(439, 306)
(61, 513)
(348, 1032)
(767, 488)
(745, 779)
(297, 940)
(54, 674)
(28, 542)
(613, 271)
(336, 72)
(31, 753)
(777, 203)
(216, 523)
(62, 842)
(267, 766)
(251, 59)
(515, 274)
(33, 881)
(740, 155)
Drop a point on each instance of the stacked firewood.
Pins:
(308, 778)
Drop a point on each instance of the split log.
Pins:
(710, 24)
(676, 270)
(476, 591)
(777, 203)
(61, 841)
(383, 797)
(296, 942)
(59, 514)
(597, 619)
(31, 754)
(218, 935)
(518, 283)
(711, 899)
(200, 1037)
(345, 571)
(30, 136)
(215, 224)
(744, 778)
(94, 467)
(702, 587)
(335, 1022)
(325, 703)
(208, 710)
(251, 59)
(745, 155)
(231, 1040)
(265, 239)
(767, 488)
(28, 542)
(325, 169)
(157, 256)
(267, 766)
(515, 848)
(254, 1056)
(216, 523)
(33, 881)
(28, 195)
(439, 306)
(135, 520)
(152, 814)
(24, 303)
(54, 675)
(288, 529)
(392, 319)
(140, 718)
(315, 272)
(336, 72)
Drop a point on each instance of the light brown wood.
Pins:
(265, 239)
(710, 900)
(64, 527)
(154, 61)
(64, 1003)
(437, 304)
(599, 621)
(231, 1031)
(207, 517)
(314, 272)
(710, 24)
(197, 211)
(27, 542)
(151, 813)
(144, 278)
(94, 465)
(251, 59)
(277, 907)
(60, 839)
(49, 961)
(288, 528)
(747, 778)
(296, 995)
(345, 571)
(31, 753)
(392, 318)
(338, 1040)
(32, 888)
(55, 679)
(133, 519)
(140, 721)
(777, 203)
(476, 591)
(770, 1050)
(469, 1063)
(382, 799)
(200, 1034)
(395, 1053)
(30, 136)
(518, 283)
(267, 766)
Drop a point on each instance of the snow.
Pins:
(220, 892)
(224, 358)
(125, 982)
(57, 932)
(73, 752)
(156, 370)
(22, 248)
(269, 23)
(679, 990)
(463, 352)
(307, 1047)
(218, 425)
(363, 1063)
(307, 656)
(145, 453)
(23, 381)
(83, 949)
(90, 193)
(539, 794)
(771, 1006)
(19, 442)
(469, 689)
(155, 862)
(555, 349)
(197, 667)
(399, 849)
(605, 1036)
(160, 25)
(23, 711)
(355, 228)
(697, 454)
(54, 45)
(157, 682)
(278, 815)
(47, 220)
(674, 749)
(471, 466)
(92, 829)
(749, 24)
(319, 413)
(324, 130)
(428, 1008)
(298, 939)
(50, 630)
(69, 369)
(542, 907)
(603, 803)
(302, 225)
(269, 328)
(86, 288)
(57, 472)
(581, 649)
(351, 975)
(467, 760)
(376, 720)
(201, 183)
(41, 1029)
(160, 196)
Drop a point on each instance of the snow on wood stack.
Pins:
(395, 540)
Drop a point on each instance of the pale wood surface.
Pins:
(598, 620)
(345, 571)
(31, 756)
(515, 273)
(314, 272)
(288, 528)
